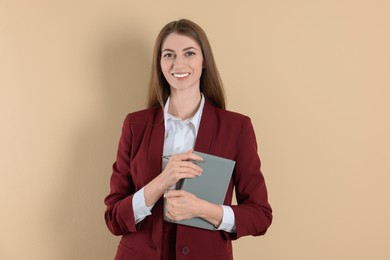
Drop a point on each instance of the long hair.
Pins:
(210, 81)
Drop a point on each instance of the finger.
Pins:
(186, 175)
(185, 170)
(192, 156)
(172, 216)
(187, 156)
(169, 215)
(183, 167)
(190, 165)
(170, 194)
(174, 193)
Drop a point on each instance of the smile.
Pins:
(182, 75)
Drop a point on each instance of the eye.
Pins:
(190, 53)
(168, 55)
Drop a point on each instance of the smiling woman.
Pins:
(210, 82)
(181, 63)
(186, 113)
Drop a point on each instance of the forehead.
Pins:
(178, 42)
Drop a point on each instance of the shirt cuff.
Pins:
(228, 223)
(140, 209)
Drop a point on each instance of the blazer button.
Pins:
(185, 250)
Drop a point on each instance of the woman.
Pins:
(186, 113)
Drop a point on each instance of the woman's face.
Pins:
(181, 62)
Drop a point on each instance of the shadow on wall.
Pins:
(81, 227)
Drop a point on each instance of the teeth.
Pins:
(180, 75)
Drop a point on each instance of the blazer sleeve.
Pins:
(119, 214)
(253, 213)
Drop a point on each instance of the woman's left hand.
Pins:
(182, 205)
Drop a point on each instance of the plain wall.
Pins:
(314, 76)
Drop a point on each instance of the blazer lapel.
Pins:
(156, 146)
(206, 129)
(156, 143)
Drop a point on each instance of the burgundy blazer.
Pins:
(222, 133)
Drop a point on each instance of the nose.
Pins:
(179, 62)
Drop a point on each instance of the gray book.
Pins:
(211, 185)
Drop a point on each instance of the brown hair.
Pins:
(210, 81)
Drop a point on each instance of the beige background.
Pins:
(313, 75)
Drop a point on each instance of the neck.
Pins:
(184, 105)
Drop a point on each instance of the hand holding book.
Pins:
(210, 186)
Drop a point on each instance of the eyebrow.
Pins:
(185, 49)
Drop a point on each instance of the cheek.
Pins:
(199, 66)
(200, 63)
(165, 68)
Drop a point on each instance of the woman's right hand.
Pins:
(180, 166)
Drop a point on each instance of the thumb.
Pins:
(173, 193)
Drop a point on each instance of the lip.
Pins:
(181, 75)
